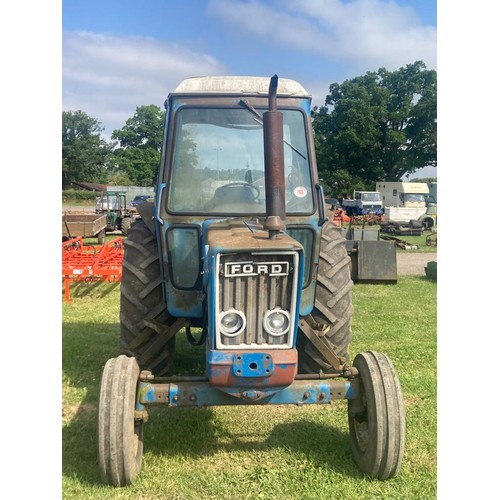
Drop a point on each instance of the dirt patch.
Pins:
(413, 263)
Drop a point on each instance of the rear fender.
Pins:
(146, 212)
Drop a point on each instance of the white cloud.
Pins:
(319, 89)
(365, 34)
(109, 76)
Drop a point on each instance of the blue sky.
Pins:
(117, 55)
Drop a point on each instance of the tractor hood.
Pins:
(239, 236)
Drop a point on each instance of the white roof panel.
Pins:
(239, 85)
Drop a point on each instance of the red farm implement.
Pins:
(90, 263)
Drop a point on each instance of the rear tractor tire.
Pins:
(125, 225)
(377, 417)
(145, 324)
(333, 309)
(119, 433)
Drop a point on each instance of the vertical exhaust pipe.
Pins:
(274, 164)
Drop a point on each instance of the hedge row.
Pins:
(78, 195)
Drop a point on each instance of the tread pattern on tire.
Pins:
(120, 443)
(386, 417)
(125, 225)
(332, 304)
(142, 303)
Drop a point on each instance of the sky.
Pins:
(121, 54)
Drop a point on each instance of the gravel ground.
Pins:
(413, 263)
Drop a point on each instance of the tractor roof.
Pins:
(239, 85)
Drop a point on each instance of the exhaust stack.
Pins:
(274, 164)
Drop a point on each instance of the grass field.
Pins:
(281, 452)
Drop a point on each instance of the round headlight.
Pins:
(277, 322)
(231, 322)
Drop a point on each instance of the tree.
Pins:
(85, 153)
(140, 143)
(379, 126)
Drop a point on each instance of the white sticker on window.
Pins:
(300, 192)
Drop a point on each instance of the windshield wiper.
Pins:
(260, 121)
(253, 110)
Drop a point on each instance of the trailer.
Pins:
(84, 225)
(403, 201)
(403, 194)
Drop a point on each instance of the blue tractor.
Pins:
(237, 245)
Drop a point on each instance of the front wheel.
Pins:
(377, 417)
(119, 433)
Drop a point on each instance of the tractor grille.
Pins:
(254, 284)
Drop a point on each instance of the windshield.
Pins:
(218, 162)
(107, 202)
(370, 197)
(414, 197)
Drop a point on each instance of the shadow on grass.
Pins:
(86, 347)
(187, 432)
(422, 278)
(194, 433)
(94, 289)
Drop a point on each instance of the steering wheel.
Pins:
(233, 185)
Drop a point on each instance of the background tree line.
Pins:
(375, 127)
(130, 159)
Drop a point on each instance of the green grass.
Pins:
(279, 452)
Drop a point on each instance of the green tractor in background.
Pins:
(113, 204)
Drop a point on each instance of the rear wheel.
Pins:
(377, 417)
(125, 225)
(146, 327)
(119, 433)
(332, 313)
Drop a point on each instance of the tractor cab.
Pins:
(214, 170)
